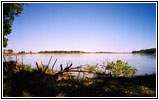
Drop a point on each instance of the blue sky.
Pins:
(116, 27)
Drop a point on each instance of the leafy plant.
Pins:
(107, 67)
(93, 68)
(28, 68)
(122, 69)
(119, 68)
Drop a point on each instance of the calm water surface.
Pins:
(145, 62)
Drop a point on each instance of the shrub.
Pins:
(119, 68)
(92, 68)
(122, 69)
(28, 68)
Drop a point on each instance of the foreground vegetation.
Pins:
(116, 80)
(146, 51)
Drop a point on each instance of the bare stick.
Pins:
(68, 63)
(37, 65)
(54, 65)
(47, 65)
(61, 67)
(67, 68)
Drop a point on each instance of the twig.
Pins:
(79, 67)
(67, 68)
(61, 67)
(47, 65)
(68, 63)
(62, 71)
(37, 65)
(54, 65)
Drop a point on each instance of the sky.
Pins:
(91, 27)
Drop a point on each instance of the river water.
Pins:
(146, 63)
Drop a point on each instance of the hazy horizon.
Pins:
(89, 27)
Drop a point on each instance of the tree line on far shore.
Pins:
(61, 52)
(146, 51)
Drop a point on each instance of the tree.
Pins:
(147, 51)
(10, 51)
(22, 52)
(10, 10)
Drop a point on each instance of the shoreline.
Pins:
(16, 54)
(10, 54)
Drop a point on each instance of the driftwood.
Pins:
(67, 69)
(82, 71)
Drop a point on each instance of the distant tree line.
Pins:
(8, 51)
(61, 52)
(21, 52)
(147, 51)
(103, 52)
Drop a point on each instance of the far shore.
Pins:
(10, 54)
(16, 54)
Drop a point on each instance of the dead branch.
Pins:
(67, 68)
(68, 63)
(47, 65)
(54, 65)
(61, 67)
(79, 67)
(62, 71)
(82, 71)
(37, 65)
